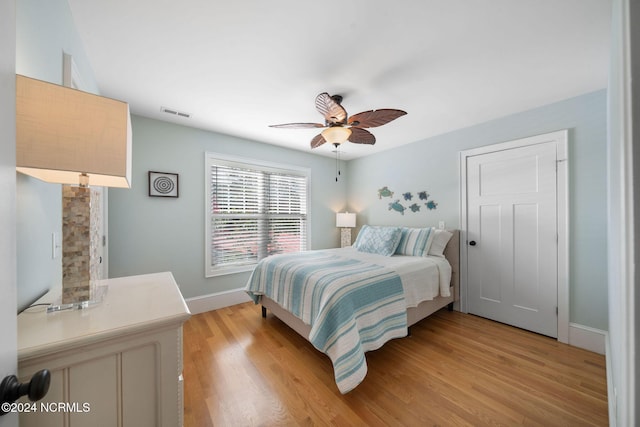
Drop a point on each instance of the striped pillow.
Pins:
(415, 241)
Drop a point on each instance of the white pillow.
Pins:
(415, 241)
(440, 241)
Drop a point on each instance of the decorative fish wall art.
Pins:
(396, 205)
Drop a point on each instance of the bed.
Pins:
(349, 301)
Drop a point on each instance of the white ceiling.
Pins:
(239, 66)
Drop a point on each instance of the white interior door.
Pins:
(8, 302)
(512, 236)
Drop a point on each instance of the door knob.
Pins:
(11, 390)
(472, 243)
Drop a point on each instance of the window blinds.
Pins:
(255, 212)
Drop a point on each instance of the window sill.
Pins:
(224, 271)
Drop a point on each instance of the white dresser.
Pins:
(117, 363)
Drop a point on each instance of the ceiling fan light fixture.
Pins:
(336, 134)
(339, 127)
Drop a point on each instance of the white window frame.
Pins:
(211, 159)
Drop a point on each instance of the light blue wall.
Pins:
(44, 30)
(150, 234)
(433, 165)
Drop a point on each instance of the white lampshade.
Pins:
(345, 220)
(63, 132)
(336, 134)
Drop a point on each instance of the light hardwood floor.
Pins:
(455, 369)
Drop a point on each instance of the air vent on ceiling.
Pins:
(175, 112)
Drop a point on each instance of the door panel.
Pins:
(100, 392)
(525, 256)
(492, 175)
(490, 280)
(511, 217)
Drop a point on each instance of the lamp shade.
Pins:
(63, 132)
(345, 220)
(336, 134)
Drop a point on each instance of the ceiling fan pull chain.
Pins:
(337, 160)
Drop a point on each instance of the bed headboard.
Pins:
(452, 254)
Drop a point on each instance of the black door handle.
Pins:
(11, 390)
(472, 243)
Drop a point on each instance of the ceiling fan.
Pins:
(338, 128)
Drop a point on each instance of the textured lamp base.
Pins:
(80, 244)
(345, 237)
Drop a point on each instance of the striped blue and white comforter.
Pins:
(353, 302)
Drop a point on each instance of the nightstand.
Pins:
(115, 363)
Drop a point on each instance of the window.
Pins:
(254, 209)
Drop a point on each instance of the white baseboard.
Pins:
(215, 301)
(587, 338)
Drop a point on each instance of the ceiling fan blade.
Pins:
(317, 141)
(375, 118)
(361, 136)
(298, 126)
(330, 109)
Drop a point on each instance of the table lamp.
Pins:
(346, 221)
(67, 136)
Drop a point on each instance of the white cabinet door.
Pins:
(94, 383)
(140, 388)
(43, 417)
(130, 381)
